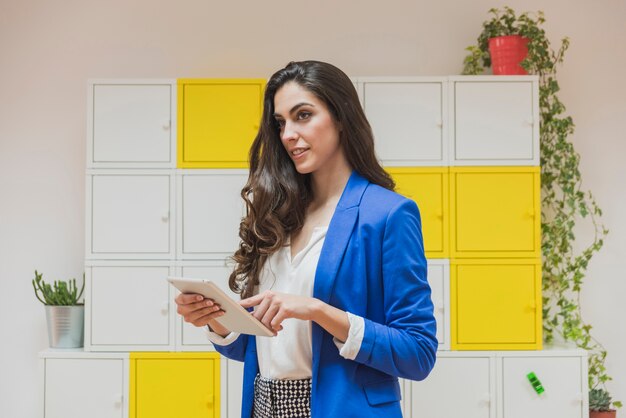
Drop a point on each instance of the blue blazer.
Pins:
(372, 264)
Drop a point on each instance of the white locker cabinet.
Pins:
(129, 214)
(439, 281)
(563, 382)
(234, 388)
(128, 308)
(189, 336)
(408, 118)
(131, 123)
(211, 209)
(495, 120)
(457, 387)
(84, 387)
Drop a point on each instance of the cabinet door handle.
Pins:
(210, 400)
(486, 398)
(118, 400)
(529, 122)
(166, 216)
(439, 123)
(165, 308)
(530, 213)
(166, 124)
(439, 215)
(439, 305)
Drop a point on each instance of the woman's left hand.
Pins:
(274, 307)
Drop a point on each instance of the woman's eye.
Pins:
(280, 123)
(304, 115)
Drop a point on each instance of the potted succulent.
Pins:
(506, 41)
(564, 202)
(600, 404)
(64, 314)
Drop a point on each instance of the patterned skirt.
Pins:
(281, 398)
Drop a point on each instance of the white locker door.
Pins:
(78, 388)
(235, 383)
(457, 387)
(130, 214)
(436, 279)
(494, 121)
(561, 378)
(407, 121)
(130, 306)
(131, 123)
(192, 335)
(212, 209)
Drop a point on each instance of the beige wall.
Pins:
(48, 49)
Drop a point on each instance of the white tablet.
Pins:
(235, 318)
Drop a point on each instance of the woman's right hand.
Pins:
(200, 311)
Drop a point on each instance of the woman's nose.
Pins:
(289, 133)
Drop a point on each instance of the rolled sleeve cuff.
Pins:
(351, 347)
(218, 339)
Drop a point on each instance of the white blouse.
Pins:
(288, 355)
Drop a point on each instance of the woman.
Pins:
(330, 258)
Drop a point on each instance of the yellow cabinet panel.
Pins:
(495, 212)
(495, 304)
(217, 121)
(174, 385)
(428, 187)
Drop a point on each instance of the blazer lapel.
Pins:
(335, 243)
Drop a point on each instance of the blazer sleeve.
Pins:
(406, 344)
(236, 350)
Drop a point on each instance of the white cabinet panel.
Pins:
(561, 378)
(439, 281)
(129, 306)
(495, 123)
(78, 388)
(128, 215)
(211, 209)
(234, 389)
(457, 387)
(190, 334)
(131, 123)
(407, 119)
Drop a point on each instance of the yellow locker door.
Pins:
(174, 385)
(217, 121)
(495, 212)
(428, 187)
(496, 304)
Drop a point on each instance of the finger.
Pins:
(195, 315)
(276, 323)
(260, 310)
(252, 300)
(187, 298)
(204, 320)
(269, 316)
(192, 307)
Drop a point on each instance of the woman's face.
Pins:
(307, 129)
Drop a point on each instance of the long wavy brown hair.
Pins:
(276, 195)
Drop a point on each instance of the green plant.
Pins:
(599, 400)
(505, 22)
(62, 294)
(563, 202)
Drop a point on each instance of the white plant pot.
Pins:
(65, 326)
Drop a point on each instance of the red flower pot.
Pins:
(602, 414)
(507, 52)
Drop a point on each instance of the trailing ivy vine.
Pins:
(564, 202)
